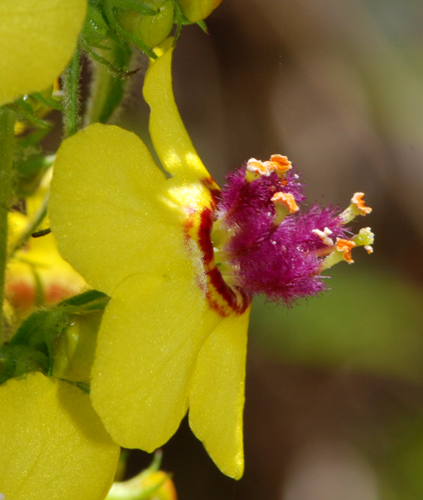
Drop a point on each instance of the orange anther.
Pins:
(287, 200)
(259, 167)
(277, 163)
(358, 201)
(280, 164)
(345, 246)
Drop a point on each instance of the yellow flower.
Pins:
(37, 274)
(174, 334)
(37, 39)
(53, 445)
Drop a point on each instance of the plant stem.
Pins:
(108, 89)
(36, 220)
(31, 226)
(71, 94)
(7, 140)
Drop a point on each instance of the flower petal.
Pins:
(37, 39)
(216, 398)
(110, 211)
(170, 138)
(52, 443)
(147, 346)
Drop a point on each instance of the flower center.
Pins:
(261, 243)
(253, 238)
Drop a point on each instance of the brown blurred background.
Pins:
(334, 405)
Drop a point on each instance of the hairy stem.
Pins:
(71, 94)
(7, 140)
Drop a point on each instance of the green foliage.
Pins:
(33, 347)
(371, 321)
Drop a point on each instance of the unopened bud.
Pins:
(74, 348)
(150, 484)
(196, 10)
(151, 30)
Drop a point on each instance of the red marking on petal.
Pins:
(220, 296)
(204, 232)
(233, 301)
(20, 294)
(214, 189)
(55, 292)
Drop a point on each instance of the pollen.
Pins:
(324, 236)
(286, 200)
(259, 167)
(358, 201)
(345, 246)
(279, 164)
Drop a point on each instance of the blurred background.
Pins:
(334, 398)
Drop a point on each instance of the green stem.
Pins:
(31, 226)
(38, 217)
(7, 141)
(71, 94)
(107, 89)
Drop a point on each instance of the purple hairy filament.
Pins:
(265, 242)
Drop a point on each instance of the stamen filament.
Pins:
(341, 251)
(357, 207)
(284, 204)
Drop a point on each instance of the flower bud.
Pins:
(196, 10)
(95, 29)
(151, 30)
(74, 348)
(150, 484)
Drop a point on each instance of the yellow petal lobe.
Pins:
(216, 397)
(151, 333)
(110, 210)
(170, 138)
(52, 443)
(37, 40)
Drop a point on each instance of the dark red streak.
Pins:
(213, 273)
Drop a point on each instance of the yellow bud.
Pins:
(167, 489)
(196, 10)
(149, 484)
